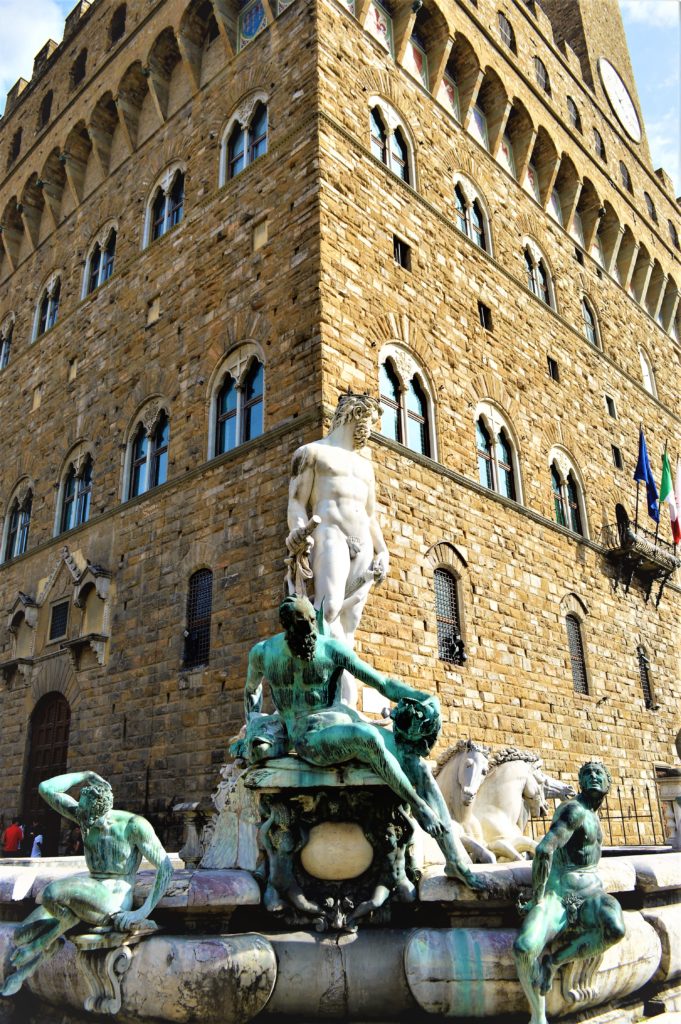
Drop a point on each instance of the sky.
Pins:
(653, 30)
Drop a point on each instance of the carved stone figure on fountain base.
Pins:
(114, 843)
(570, 916)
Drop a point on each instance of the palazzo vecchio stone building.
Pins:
(217, 217)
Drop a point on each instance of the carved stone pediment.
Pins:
(25, 604)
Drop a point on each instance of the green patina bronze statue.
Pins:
(114, 844)
(303, 669)
(570, 916)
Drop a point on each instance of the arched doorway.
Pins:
(48, 754)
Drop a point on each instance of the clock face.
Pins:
(619, 99)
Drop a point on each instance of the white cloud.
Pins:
(26, 27)
(660, 13)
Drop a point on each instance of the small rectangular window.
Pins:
(617, 457)
(402, 253)
(552, 367)
(59, 620)
(579, 256)
(610, 405)
(485, 314)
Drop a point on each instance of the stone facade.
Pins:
(294, 259)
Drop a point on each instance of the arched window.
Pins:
(16, 539)
(674, 235)
(166, 207)
(644, 676)
(48, 307)
(573, 114)
(244, 141)
(495, 455)
(6, 332)
(78, 68)
(470, 215)
(590, 325)
(599, 145)
(566, 499)
(76, 495)
(389, 140)
(117, 25)
(542, 76)
(148, 453)
(45, 109)
(506, 32)
(538, 277)
(647, 373)
(406, 400)
(450, 645)
(100, 263)
(238, 402)
(197, 629)
(576, 649)
(650, 206)
(14, 148)
(626, 177)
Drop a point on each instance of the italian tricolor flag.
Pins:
(672, 495)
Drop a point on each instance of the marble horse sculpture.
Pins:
(460, 772)
(302, 667)
(515, 790)
(570, 917)
(114, 843)
(335, 541)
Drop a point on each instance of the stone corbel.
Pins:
(20, 665)
(103, 959)
(75, 647)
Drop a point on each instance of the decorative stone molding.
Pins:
(573, 604)
(444, 553)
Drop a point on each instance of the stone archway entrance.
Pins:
(48, 754)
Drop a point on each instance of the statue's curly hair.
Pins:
(351, 406)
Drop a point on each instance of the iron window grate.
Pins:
(59, 620)
(199, 608)
(644, 675)
(450, 646)
(576, 648)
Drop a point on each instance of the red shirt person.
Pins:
(11, 839)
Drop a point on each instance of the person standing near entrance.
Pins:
(11, 839)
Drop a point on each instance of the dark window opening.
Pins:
(552, 365)
(506, 32)
(644, 676)
(610, 405)
(485, 316)
(617, 457)
(199, 608)
(117, 28)
(576, 649)
(15, 147)
(401, 253)
(78, 69)
(59, 620)
(45, 109)
(450, 645)
(542, 76)
(579, 256)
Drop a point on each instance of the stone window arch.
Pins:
(599, 146)
(575, 613)
(567, 492)
(391, 140)
(539, 278)
(407, 398)
(590, 322)
(673, 234)
(17, 522)
(74, 499)
(245, 137)
(78, 69)
(237, 399)
(6, 332)
(626, 177)
(542, 76)
(100, 259)
(506, 32)
(450, 573)
(647, 372)
(47, 310)
(497, 451)
(573, 114)
(165, 206)
(472, 217)
(146, 454)
(650, 206)
(117, 24)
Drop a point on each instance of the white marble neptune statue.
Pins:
(333, 495)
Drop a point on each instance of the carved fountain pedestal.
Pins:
(337, 843)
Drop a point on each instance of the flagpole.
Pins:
(657, 527)
(638, 482)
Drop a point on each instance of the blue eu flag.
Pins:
(644, 474)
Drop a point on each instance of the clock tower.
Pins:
(594, 30)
